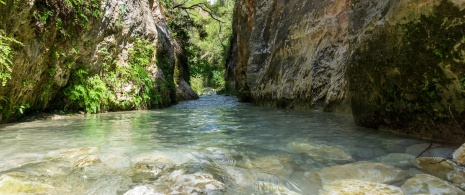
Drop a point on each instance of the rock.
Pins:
(142, 190)
(275, 165)
(376, 59)
(202, 183)
(418, 149)
(184, 92)
(352, 186)
(396, 159)
(87, 161)
(442, 168)
(367, 171)
(442, 152)
(92, 48)
(459, 155)
(365, 153)
(321, 152)
(438, 167)
(272, 188)
(427, 184)
(21, 183)
(76, 152)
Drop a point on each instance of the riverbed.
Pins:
(214, 145)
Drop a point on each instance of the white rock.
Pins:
(351, 186)
(142, 190)
(428, 184)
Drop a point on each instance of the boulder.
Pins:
(321, 152)
(275, 165)
(181, 183)
(87, 161)
(396, 159)
(21, 183)
(459, 155)
(442, 168)
(367, 171)
(352, 186)
(428, 184)
(142, 190)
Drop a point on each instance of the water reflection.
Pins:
(213, 145)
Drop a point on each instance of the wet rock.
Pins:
(396, 145)
(151, 167)
(438, 167)
(442, 168)
(396, 159)
(276, 165)
(352, 186)
(418, 149)
(197, 183)
(427, 184)
(321, 152)
(365, 152)
(273, 188)
(73, 153)
(142, 190)
(459, 155)
(87, 161)
(184, 91)
(442, 152)
(367, 171)
(19, 183)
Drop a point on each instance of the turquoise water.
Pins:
(214, 145)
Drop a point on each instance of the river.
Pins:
(214, 145)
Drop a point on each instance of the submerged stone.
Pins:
(19, 183)
(87, 161)
(197, 183)
(276, 165)
(428, 184)
(352, 186)
(321, 152)
(396, 159)
(367, 171)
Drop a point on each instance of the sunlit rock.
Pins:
(367, 171)
(438, 167)
(272, 188)
(396, 159)
(442, 168)
(427, 184)
(276, 165)
(197, 183)
(20, 183)
(352, 186)
(142, 190)
(87, 161)
(151, 167)
(459, 155)
(321, 152)
(73, 154)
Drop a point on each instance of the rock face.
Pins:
(290, 54)
(64, 41)
(395, 64)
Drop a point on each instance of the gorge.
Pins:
(349, 96)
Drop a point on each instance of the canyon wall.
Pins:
(397, 65)
(78, 54)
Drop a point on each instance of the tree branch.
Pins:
(201, 6)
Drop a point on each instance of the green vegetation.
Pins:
(6, 56)
(136, 88)
(203, 31)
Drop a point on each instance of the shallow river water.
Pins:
(214, 145)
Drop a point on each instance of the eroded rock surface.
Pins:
(396, 64)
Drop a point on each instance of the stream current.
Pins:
(214, 145)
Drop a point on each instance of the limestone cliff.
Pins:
(121, 50)
(396, 64)
(290, 54)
